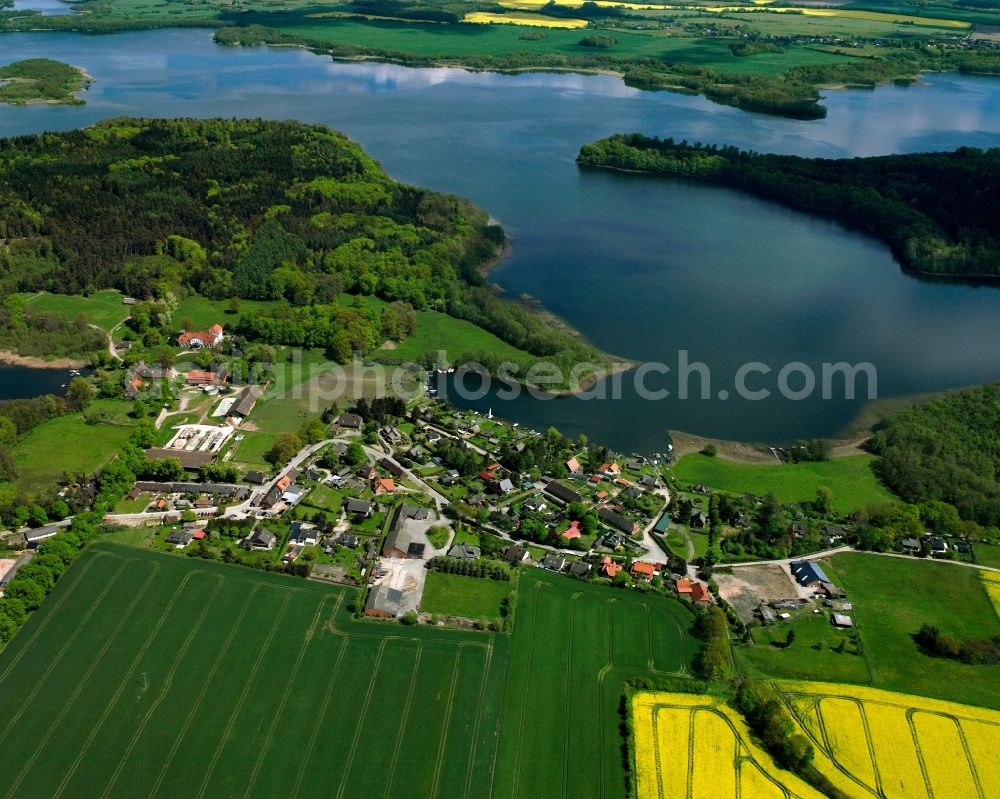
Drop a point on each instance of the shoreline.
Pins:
(36, 362)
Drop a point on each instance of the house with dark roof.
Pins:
(808, 574)
(464, 552)
(553, 562)
(180, 538)
(347, 540)
(403, 541)
(579, 568)
(256, 477)
(384, 602)
(514, 554)
(245, 402)
(563, 493)
(261, 539)
(303, 534)
(358, 507)
(616, 520)
(350, 421)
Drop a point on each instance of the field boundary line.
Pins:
(207, 678)
(871, 747)
(968, 757)
(201, 694)
(168, 680)
(524, 698)
(827, 748)
(345, 643)
(447, 723)
(243, 697)
(69, 641)
(479, 717)
(50, 612)
(569, 688)
(310, 632)
(402, 723)
(656, 754)
(919, 751)
(608, 666)
(362, 715)
(26, 767)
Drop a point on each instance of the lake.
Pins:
(21, 382)
(643, 267)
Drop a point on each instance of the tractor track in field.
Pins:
(243, 697)
(292, 674)
(167, 682)
(12, 791)
(206, 681)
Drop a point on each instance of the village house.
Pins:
(197, 378)
(573, 530)
(553, 562)
(358, 508)
(608, 567)
(619, 522)
(384, 602)
(464, 552)
(350, 421)
(403, 540)
(642, 571)
(384, 485)
(579, 568)
(197, 339)
(563, 493)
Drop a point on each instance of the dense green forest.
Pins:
(940, 212)
(41, 80)
(249, 209)
(946, 449)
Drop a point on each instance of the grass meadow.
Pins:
(851, 479)
(43, 457)
(148, 674)
(458, 595)
(102, 308)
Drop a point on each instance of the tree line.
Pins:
(938, 211)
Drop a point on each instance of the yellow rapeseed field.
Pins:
(878, 743)
(717, 755)
(992, 582)
(537, 20)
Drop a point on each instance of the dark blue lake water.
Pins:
(642, 267)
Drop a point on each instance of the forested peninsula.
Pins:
(294, 217)
(940, 212)
(41, 80)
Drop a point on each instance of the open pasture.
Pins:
(145, 674)
(872, 743)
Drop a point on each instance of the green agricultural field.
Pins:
(892, 597)
(851, 480)
(146, 674)
(458, 595)
(43, 457)
(463, 40)
(573, 646)
(102, 308)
